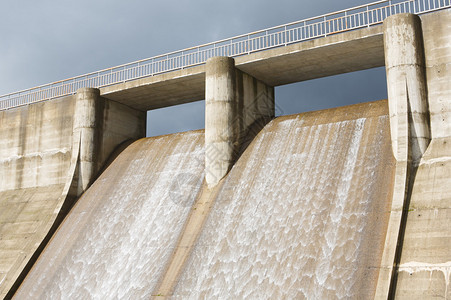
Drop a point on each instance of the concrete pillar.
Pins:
(87, 124)
(235, 104)
(406, 83)
(410, 132)
(221, 136)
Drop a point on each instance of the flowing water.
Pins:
(302, 214)
(120, 235)
(298, 214)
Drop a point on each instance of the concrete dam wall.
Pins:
(41, 171)
(302, 214)
(352, 202)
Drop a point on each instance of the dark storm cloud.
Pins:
(45, 41)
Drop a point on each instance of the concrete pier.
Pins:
(236, 106)
(425, 261)
(416, 257)
(221, 136)
(87, 124)
(409, 129)
(406, 84)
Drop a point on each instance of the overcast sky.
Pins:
(44, 41)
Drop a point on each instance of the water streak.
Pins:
(291, 219)
(122, 231)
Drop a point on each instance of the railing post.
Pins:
(325, 26)
(167, 62)
(285, 35)
(182, 60)
(266, 41)
(248, 45)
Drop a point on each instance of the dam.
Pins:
(351, 202)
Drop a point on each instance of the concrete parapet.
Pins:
(235, 103)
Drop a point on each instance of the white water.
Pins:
(291, 217)
(117, 241)
(291, 220)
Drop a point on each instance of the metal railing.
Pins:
(321, 26)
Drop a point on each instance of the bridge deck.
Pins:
(335, 54)
(283, 44)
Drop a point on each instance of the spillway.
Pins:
(121, 232)
(302, 214)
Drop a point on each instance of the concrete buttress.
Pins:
(425, 261)
(409, 128)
